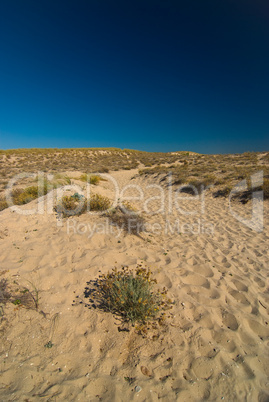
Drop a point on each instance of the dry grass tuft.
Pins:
(126, 219)
(24, 196)
(77, 204)
(71, 205)
(99, 203)
(3, 204)
(20, 296)
(90, 178)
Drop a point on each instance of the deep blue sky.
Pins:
(144, 74)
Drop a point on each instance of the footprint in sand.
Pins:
(221, 260)
(246, 338)
(223, 340)
(259, 329)
(229, 321)
(203, 270)
(195, 280)
(240, 297)
(259, 282)
(240, 286)
(214, 294)
(203, 367)
(192, 261)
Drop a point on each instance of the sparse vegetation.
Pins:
(60, 180)
(185, 167)
(127, 219)
(89, 178)
(130, 295)
(21, 196)
(71, 205)
(77, 204)
(3, 204)
(222, 172)
(99, 203)
(20, 296)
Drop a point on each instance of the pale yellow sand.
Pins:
(215, 346)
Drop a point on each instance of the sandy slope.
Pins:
(216, 343)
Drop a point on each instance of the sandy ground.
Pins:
(216, 341)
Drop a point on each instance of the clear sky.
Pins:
(152, 75)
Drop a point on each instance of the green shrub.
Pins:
(130, 295)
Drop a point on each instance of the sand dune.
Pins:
(214, 345)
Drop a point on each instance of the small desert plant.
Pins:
(71, 205)
(34, 294)
(3, 204)
(23, 196)
(99, 203)
(90, 178)
(18, 295)
(126, 219)
(84, 177)
(61, 180)
(130, 295)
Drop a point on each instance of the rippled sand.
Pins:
(215, 344)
